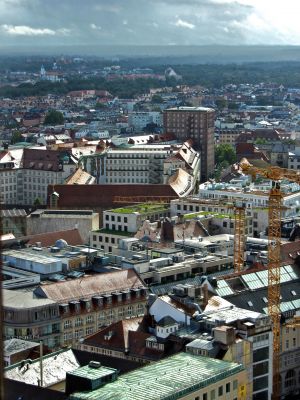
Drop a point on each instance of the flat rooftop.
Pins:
(174, 376)
(93, 373)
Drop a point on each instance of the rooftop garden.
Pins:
(203, 213)
(141, 208)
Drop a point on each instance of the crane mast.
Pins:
(239, 237)
(274, 236)
(276, 174)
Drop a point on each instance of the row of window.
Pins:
(114, 217)
(102, 316)
(214, 393)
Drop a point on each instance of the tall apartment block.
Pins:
(196, 123)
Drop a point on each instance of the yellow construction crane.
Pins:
(239, 209)
(276, 174)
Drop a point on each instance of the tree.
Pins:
(224, 153)
(157, 99)
(260, 141)
(37, 203)
(150, 128)
(54, 117)
(101, 106)
(233, 106)
(221, 103)
(16, 137)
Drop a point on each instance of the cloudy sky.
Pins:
(149, 22)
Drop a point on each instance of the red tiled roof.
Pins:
(71, 236)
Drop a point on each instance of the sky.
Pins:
(149, 22)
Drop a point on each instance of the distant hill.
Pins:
(169, 54)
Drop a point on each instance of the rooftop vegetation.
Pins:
(141, 208)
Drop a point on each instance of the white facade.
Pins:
(161, 308)
(139, 120)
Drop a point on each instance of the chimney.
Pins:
(205, 294)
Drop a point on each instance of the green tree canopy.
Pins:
(16, 137)
(221, 103)
(54, 117)
(157, 99)
(224, 153)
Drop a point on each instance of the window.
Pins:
(204, 397)
(228, 387)
(235, 384)
(261, 354)
(220, 391)
(67, 324)
(260, 383)
(213, 395)
(89, 319)
(125, 219)
(261, 368)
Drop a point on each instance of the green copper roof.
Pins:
(171, 378)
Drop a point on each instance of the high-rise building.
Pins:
(196, 123)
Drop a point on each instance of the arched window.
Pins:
(290, 379)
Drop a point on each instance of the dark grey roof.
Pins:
(166, 321)
(256, 300)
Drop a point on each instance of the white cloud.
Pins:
(24, 30)
(95, 27)
(184, 24)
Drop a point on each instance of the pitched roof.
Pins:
(71, 236)
(47, 160)
(89, 286)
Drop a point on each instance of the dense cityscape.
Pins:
(150, 226)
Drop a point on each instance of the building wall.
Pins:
(197, 125)
(290, 360)
(33, 323)
(105, 240)
(43, 223)
(14, 225)
(262, 365)
(77, 325)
